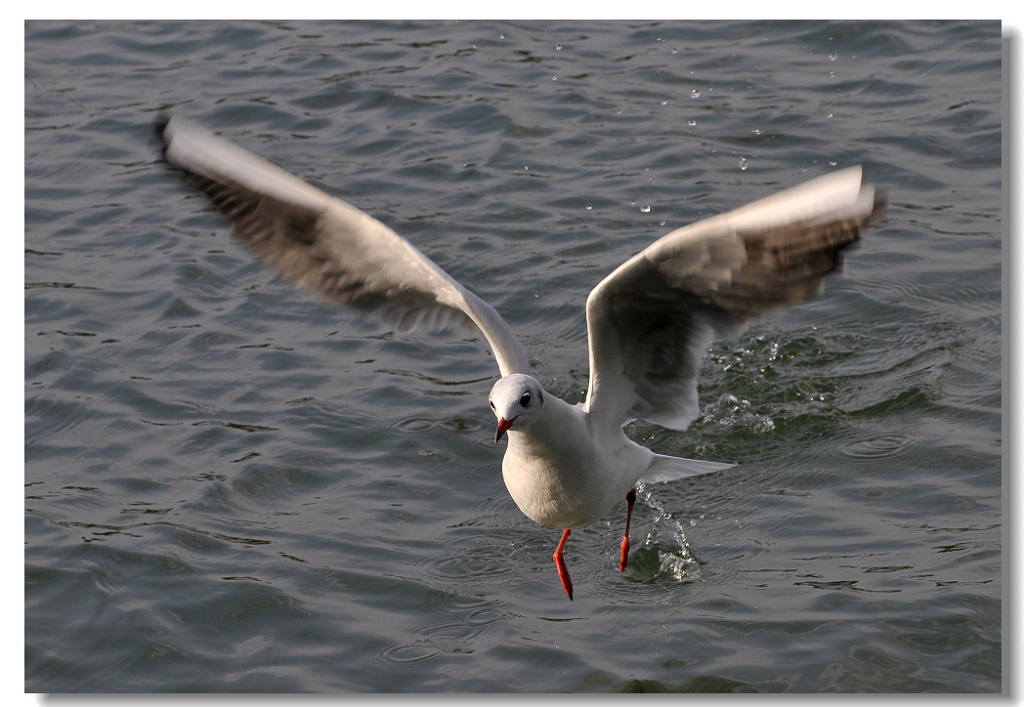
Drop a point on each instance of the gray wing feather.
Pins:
(330, 247)
(652, 319)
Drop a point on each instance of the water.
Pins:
(230, 486)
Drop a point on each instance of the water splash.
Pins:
(667, 540)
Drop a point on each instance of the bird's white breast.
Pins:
(564, 474)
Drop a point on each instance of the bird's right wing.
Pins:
(330, 247)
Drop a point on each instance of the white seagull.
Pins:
(649, 322)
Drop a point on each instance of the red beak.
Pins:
(503, 426)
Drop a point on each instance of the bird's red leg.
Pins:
(624, 545)
(563, 571)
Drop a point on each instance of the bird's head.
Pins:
(517, 401)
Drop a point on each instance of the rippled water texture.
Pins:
(230, 486)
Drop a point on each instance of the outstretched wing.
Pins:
(651, 320)
(330, 247)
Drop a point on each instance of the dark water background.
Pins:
(232, 487)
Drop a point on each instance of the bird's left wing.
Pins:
(331, 247)
(651, 320)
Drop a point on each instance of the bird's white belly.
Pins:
(570, 490)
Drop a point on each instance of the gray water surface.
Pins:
(231, 486)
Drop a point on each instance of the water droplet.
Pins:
(501, 35)
(664, 103)
(526, 168)
(645, 209)
(692, 123)
(694, 93)
(674, 50)
(833, 57)
(554, 78)
(558, 47)
(743, 163)
(589, 206)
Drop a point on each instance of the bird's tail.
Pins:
(665, 468)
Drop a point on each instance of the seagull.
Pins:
(648, 323)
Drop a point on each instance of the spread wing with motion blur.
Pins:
(330, 247)
(651, 320)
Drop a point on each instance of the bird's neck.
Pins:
(552, 432)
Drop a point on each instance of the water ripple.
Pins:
(232, 487)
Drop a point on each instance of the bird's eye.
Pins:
(525, 400)
(492, 404)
